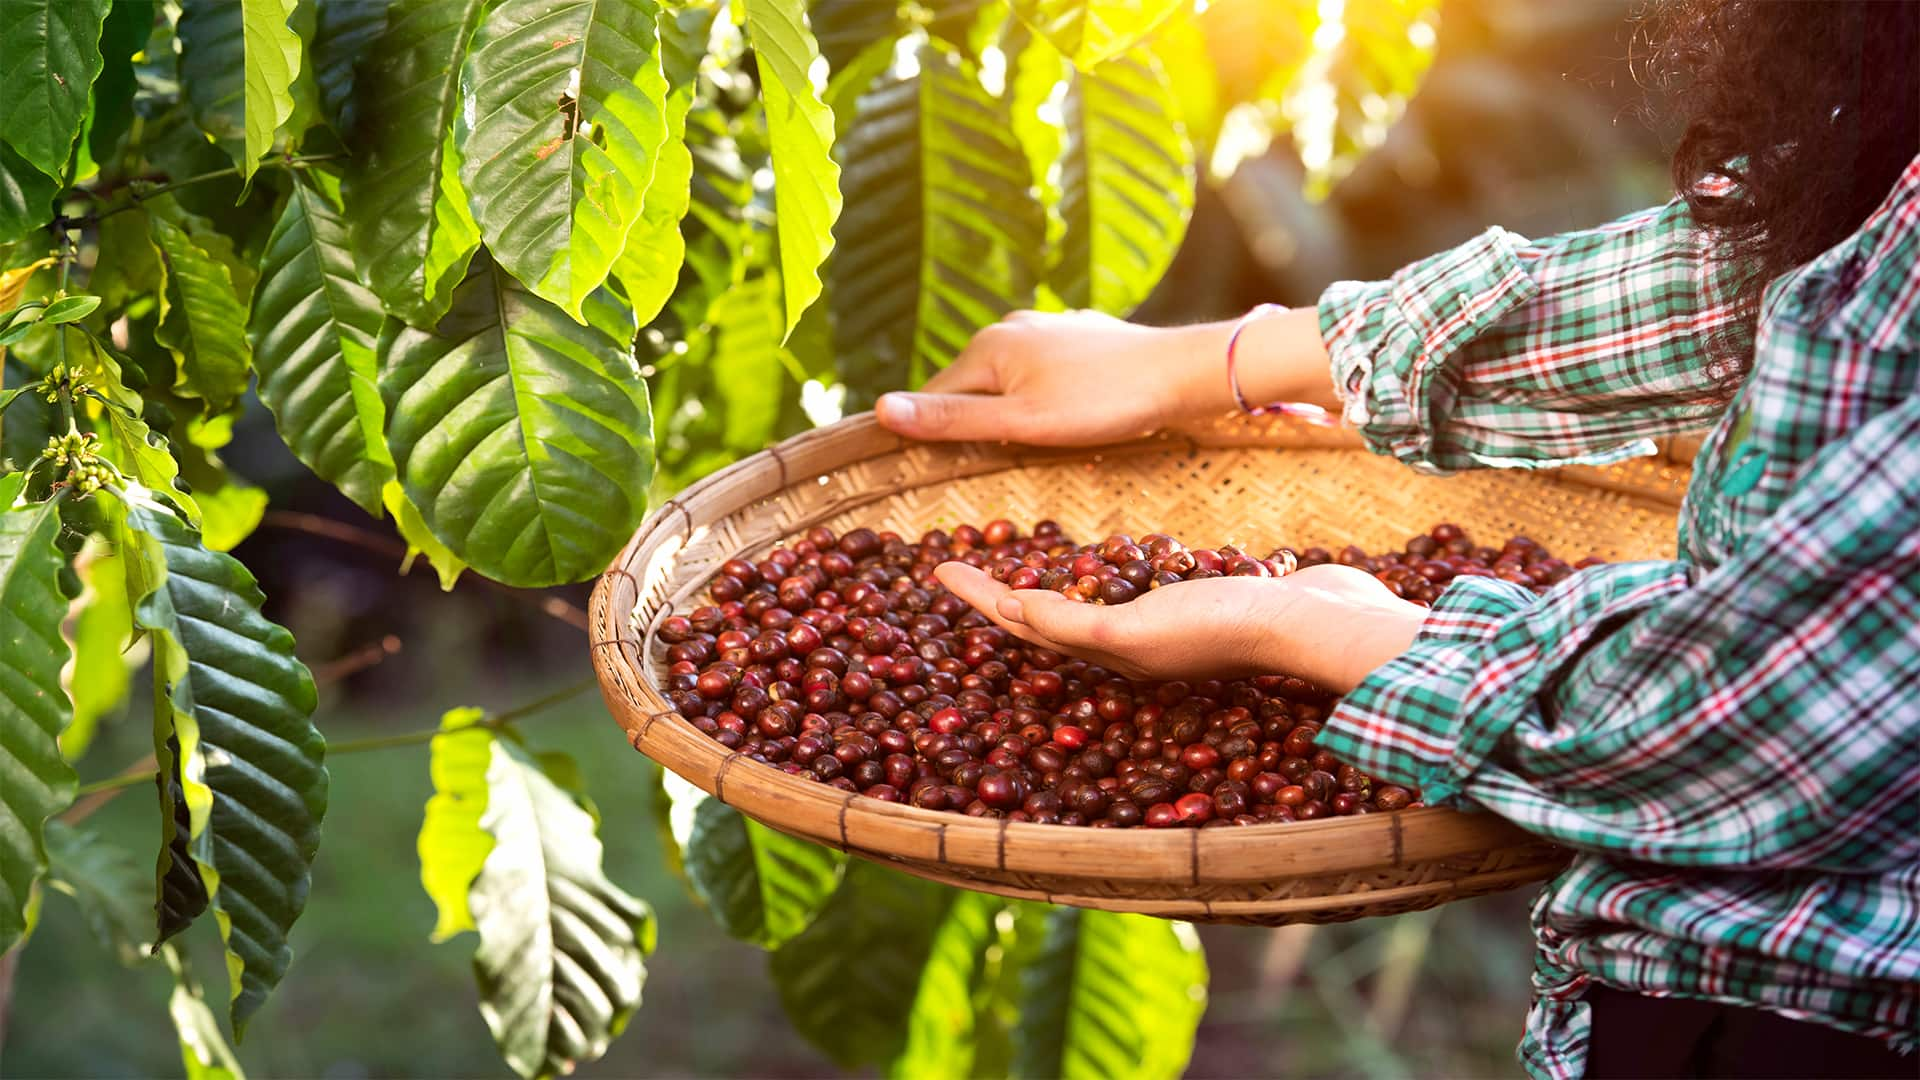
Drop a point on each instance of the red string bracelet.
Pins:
(1233, 339)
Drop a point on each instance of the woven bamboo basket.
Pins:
(1253, 483)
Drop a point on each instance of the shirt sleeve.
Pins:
(1576, 349)
(1764, 713)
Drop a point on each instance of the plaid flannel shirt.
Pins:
(1730, 741)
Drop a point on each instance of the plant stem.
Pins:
(491, 721)
(135, 197)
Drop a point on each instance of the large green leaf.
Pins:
(128, 27)
(238, 60)
(452, 846)
(204, 1052)
(844, 981)
(761, 885)
(806, 189)
(522, 436)
(649, 267)
(53, 55)
(180, 894)
(250, 759)
(1091, 32)
(562, 949)
(406, 210)
(1126, 185)
(1111, 995)
(941, 1029)
(314, 328)
(343, 32)
(562, 115)
(35, 780)
(108, 886)
(942, 234)
(202, 321)
(26, 195)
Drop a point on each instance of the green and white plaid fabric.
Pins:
(1730, 740)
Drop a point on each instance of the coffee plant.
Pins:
(506, 272)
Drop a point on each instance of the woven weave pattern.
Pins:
(1255, 484)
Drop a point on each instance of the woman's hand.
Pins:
(1082, 378)
(1328, 624)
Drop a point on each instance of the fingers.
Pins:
(940, 417)
(992, 599)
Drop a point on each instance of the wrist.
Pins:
(1333, 638)
(1279, 356)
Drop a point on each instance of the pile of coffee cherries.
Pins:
(841, 659)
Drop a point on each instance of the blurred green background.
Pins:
(1530, 118)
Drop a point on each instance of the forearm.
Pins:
(1279, 357)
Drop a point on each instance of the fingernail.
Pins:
(898, 407)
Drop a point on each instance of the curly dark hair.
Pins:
(1805, 111)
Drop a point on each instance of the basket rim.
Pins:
(1199, 856)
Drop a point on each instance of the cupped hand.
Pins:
(1060, 379)
(1328, 624)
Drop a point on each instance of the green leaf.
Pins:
(202, 321)
(125, 33)
(238, 60)
(203, 1047)
(26, 195)
(562, 949)
(1370, 71)
(453, 848)
(1036, 72)
(522, 436)
(843, 982)
(344, 31)
(846, 28)
(942, 234)
(761, 885)
(1090, 32)
(69, 309)
(103, 652)
(941, 1033)
(562, 116)
(53, 55)
(749, 379)
(125, 438)
(420, 540)
(1126, 185)
(33, 708)
(649, 268)
(107, 885)
(806, 188)
(127, 264)
(229, 512)
(1111, 995)
(241, 707)
(407, 213)
(314, 328)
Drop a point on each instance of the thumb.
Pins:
(947, 416)
(1066, 621)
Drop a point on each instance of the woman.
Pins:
(1730, 740)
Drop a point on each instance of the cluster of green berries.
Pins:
(79, 453)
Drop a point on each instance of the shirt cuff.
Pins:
(1482, 662)
(1391, 343)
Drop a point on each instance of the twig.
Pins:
(358, 660)
(135, 196)
(387, 547)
